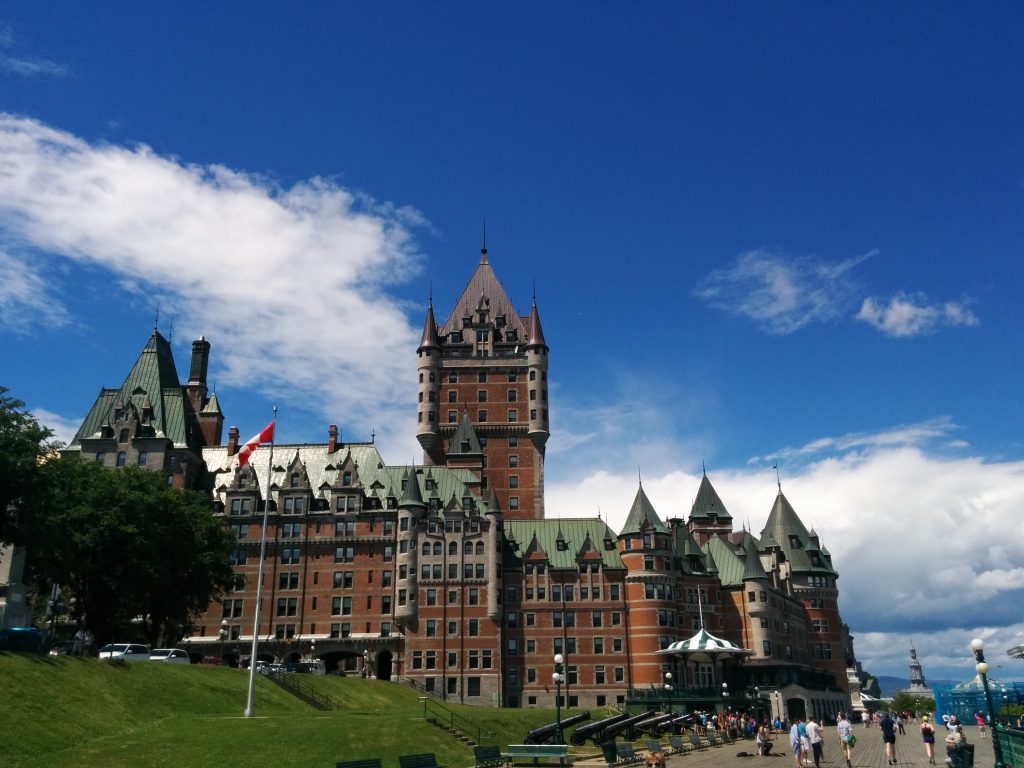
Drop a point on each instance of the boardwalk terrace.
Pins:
(448, 575)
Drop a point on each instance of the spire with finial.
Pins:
(778, 477)
(156, 318)
(483, 247)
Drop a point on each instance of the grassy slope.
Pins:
(84, 713)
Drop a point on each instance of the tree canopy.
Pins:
(24, 442)
(130, 550)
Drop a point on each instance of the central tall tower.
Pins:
(483, 394)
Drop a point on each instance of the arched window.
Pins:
(426, 548)
(479, 547)
(120, 458)
(143, 458)
(453, 548)
(437, 548)
(467, 548)
(346, 478)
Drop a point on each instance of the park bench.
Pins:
(488, 757)
(677, 745)
(626, 755)
(424, 760)
(517, 752)
(653, 745)
(696, 743)
(373, 762)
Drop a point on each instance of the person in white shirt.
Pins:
(814, 736)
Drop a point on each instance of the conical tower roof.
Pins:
(708, 504)
(642, 510)
(535, 337)
(412, 496)
(429, 338)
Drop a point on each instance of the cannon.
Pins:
(595, 730)
(543, 734)
(680, 721)
(654, 725)
(625, 726)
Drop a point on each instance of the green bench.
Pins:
(517, 752)
(424, 760)
(488, 757)
(373, 762)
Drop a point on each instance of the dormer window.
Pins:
(123, 437)
(346, 478)
(794, 542)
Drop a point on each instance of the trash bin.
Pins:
(610, 754)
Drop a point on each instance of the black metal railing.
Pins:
(439, 714)
(303, 690)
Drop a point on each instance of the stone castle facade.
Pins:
(448, 575)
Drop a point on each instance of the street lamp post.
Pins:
(725, 696)
(668, 689)
(978, 646)
(366, 664)
(312, 649)
(223, 634)
(558, 677)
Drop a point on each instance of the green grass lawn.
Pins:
(84, 713)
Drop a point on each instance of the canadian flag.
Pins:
(265, 436)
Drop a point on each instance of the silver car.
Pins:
(125, 651)
(170, 656)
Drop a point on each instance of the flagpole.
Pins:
(249, 710)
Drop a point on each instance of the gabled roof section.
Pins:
(785, 528)
(730, 565)
(693, 559)
(708, 503)
(464, 440)
(153, 389)
(542, 536)
(641, 511)
(484, 288)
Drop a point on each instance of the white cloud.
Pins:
(63, 429)
(290, 285)
(926, 546)
(27, 66)
(26, 301)
(905, 315)
(782, 293)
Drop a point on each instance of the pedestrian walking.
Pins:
(980, 720)
(844, 729)
(888, 728)
(795, 740)
(928, 737)
(814, 737)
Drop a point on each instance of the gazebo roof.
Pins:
(704, 643)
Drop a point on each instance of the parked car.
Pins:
(63, 648)
(314, 667)
(214, 661)
(26, 639)
(170, 655)
(125, 651)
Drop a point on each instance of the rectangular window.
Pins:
(474, 627)
(288, 580)
(511, 395)
(481, 416)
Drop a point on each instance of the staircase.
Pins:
(459, 727)
(293, 684)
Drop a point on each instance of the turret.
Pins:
(410, 510)
(537, 373)
(429, 367)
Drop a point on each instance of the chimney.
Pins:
(200, 361)
(332, 438)
(232, 441)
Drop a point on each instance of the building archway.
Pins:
(384, 662)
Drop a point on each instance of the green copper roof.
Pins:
(464, 440)
(579, 537)
(642, 511)
(753, 570)
(787, 531)
(730, 565)
(708, 503)
(151, 385)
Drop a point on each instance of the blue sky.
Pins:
(759, 234)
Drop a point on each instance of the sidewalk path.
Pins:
(869, 752)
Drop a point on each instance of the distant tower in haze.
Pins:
(917, 684)
(483, 394)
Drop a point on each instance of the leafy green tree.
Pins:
(907, 702)
(24, 442)
(138, 557)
